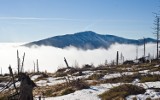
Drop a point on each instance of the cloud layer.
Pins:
(51, 58)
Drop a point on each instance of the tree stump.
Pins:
(26, 87)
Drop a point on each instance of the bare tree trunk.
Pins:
(26, 87)
(117, 59)
(66, 62)
(37, 66)
(18, 61)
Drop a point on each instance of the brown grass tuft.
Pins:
(121, 92)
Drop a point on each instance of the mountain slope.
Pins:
(86, 40)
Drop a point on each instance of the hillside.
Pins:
(87, 40)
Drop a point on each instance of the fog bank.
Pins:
(51, 58)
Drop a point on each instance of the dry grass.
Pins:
(122, 79)
(61, 89)
(120, 92)
(4, 78)
(116, 93)
(5, 94)
(95, 76)
(150, 78)
(43, 76)
(3, 97)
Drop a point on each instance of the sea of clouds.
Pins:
(51, 58)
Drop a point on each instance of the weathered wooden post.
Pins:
(18, 62)
(37, 66)
(66, 62)
(22, 69)
(1, 70)
(117, 58)
(11, 73)
(144, 48)
(34, 70)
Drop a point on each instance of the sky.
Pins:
(30, 20)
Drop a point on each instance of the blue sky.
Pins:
(30, 20)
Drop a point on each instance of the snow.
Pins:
(156, 65)
(153, 84)
(85, 94)
(34, 77)
(135, 81)
(115, 75)
(49, 81)
(93, 92)
(111, 76)
(148, 94)
(144, 71)
(155, 72)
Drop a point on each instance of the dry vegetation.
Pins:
(122, 91)
(61, 89)
(99, 73)
(71, 84)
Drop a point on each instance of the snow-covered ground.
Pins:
(93, 92)
(115, 75)
(53, 81)
(85, 94)
(148, 94)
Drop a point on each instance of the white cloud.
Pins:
(50, 58)
(39, 18)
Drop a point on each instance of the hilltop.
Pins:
(87, 40)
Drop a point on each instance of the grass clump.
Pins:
(79, 84)
(150, 78)
(42, 77)
(67, 91)
(3, 97)
(123, 79)
(95, 76)
(4, 79)
(148, 98)
(49, 92)
(61, 89)
(58, 74)
(121, 91)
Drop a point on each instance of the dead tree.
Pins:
(37, 66)
(13, 96)
(144, 47)
(66, 62)
(22, 69)
(26, 87)
(18, 62)
(122, 58)
(136, 52)
(157, 29)
(34, 67)
(117, 58)
(13, 80)
(24, 92)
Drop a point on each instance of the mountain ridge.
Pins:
(87, 40)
